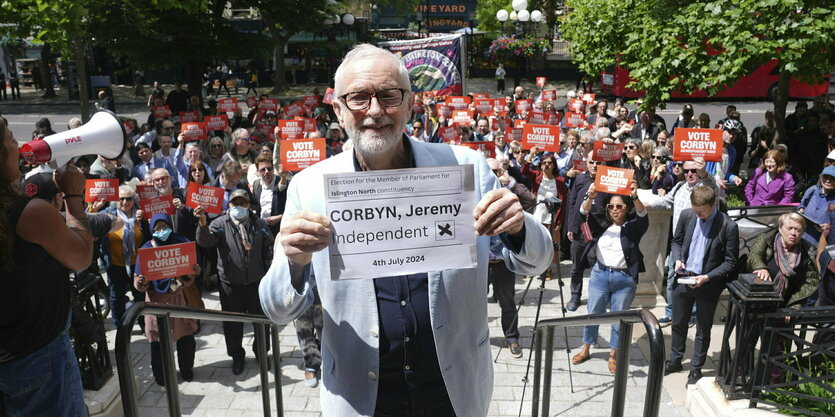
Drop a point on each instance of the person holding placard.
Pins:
(171, 291)
(404, 344)
(39, 373)
(615, 259)
(632, 160)
(577, 194)
(662, 176)
(500, 75)
(119, 250)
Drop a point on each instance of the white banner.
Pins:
(402, 221)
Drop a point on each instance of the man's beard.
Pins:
(375, 143)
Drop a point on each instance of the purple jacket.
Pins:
(779, 191)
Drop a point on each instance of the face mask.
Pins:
(163, 234)
(238, 213)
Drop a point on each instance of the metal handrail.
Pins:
(655, 375)
(164, 313)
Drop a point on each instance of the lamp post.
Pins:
(520, 16)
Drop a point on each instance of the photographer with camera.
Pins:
(38, 369)
(615, 259)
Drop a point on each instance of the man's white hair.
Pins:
(240, 133)
(368, 51)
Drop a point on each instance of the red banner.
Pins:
(267, 129)
(693, 143)
(218, 122)
(163, 204)
(607, 151)
(549, 95)
(167, 261)
(512, 134)
(479, 96)
(488, 149)
(613, 180)
(589, 97)
(484, 106)
(540, 81)
(577, 120)
(546, 138)
(580, 165)
(519, 123)
(328, 98)
(309, 123)
(144, 192)
(269, 104)
(310, 101)
(202, 195)
(195, 131)
(449, 134)
(189, 116)
(540, 118)
(227, 104)
(458, 102)
(97, 190)
(462, 117)
(576, 105)
(161, 112)
(299, 154)
(444, 110)
(523, 105)
(294, 109)
(291, 129)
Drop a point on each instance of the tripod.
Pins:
(553, 206)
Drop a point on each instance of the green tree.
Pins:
(67, 26)
(672, 44)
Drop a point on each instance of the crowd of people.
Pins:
(263, 252)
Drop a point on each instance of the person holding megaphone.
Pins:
(39, 373)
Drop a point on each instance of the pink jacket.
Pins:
(779, 191)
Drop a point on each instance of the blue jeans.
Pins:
(45, 383)
(120, 284)
(612, 288)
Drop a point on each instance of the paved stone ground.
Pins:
(215, 391)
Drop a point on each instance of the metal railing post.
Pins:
(123, 364)
(622, 370)
(261, 346)
(655, 374)
(549, 370)
(170, 375)
(279, 398)
(537, 371)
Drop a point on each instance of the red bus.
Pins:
(762, 83)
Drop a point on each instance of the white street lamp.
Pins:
(524, 15)
(502, 15)
(519, 5)
(536, 16)
(348, 19)
(513, 16)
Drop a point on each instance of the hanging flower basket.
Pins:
(507, 46)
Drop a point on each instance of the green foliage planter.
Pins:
(794, 394)
(511, 46)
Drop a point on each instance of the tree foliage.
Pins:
(672, 44)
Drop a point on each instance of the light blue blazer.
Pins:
(457, 300)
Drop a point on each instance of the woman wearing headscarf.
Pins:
(169, 290)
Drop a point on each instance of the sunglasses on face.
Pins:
(594, 163)
(658, 157)
(125, 198)
(827, 178)
(198, 170)
(217, 145)
(691, 171)
(616, 206)
(828, 161)
(630, 147)
(265, 169)
(547, 163)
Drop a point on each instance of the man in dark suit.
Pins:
(705, 248)
(148, 163)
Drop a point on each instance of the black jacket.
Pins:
(630, 239)
(278, 203)
(722, 249)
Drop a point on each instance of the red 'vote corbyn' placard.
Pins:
(202, 195)
(613, 180)
(217, 122)
(97, 190)
(573, 119)
(163, 204)
(299, 154)
(291, 129)
(488, 149)
(167, 261)
(546, 138)
(692, 143)
(195, 131)
(227, 104)
(607, 151)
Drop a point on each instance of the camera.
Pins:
(552, 204)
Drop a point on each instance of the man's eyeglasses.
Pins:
(125, 198)
(616, 206)
(360, 100)
(168, 128)
(691, 171)
(827, 178)
(265, 169)
(594, 163)
(584, 143)
(161, 179)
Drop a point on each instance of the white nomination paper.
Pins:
(401, 221)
